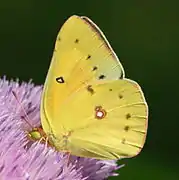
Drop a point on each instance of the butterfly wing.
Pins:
(119, 133)
(81, 55)
(82, 76)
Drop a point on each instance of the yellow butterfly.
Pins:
(88, 108)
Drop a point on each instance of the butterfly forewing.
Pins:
(81, 55)
(122, 129)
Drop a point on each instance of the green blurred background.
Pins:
(144, 34)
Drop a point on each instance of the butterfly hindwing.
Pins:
(122, 130)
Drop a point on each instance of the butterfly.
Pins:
(88, 107)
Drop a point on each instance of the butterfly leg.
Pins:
(68, 158)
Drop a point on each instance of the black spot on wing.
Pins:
(128, 116)
(90, 89)
(60, 79)
(94, 68)
(120, 96)
(76, 41)
(102, 76)
(126, 128)
(123, 141)
(88, 57)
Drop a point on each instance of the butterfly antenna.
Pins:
(26, 118)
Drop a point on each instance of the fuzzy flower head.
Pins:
(22, 159)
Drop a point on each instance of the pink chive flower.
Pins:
(21, 159)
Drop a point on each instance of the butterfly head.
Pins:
(36, 134)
